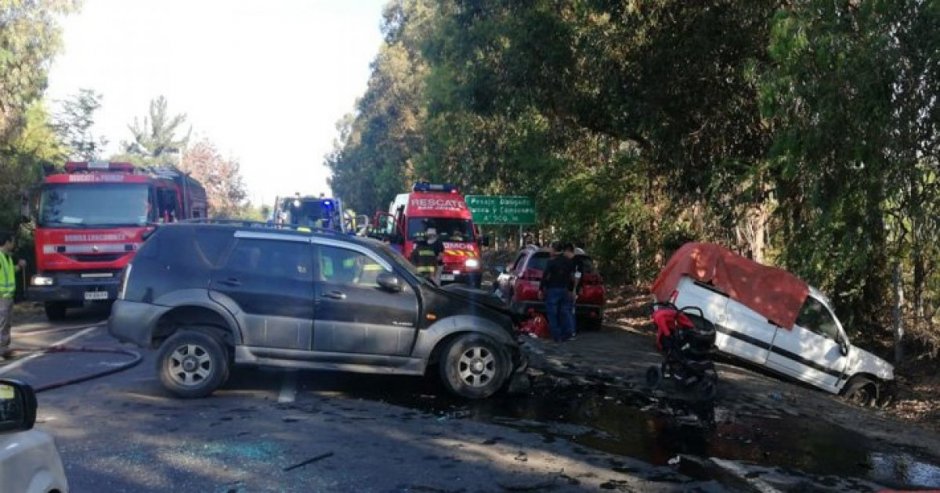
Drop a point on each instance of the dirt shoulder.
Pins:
(625, 348)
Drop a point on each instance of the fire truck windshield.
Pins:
(88, 205)
(447, 229)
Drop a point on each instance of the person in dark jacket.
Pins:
(556, 289)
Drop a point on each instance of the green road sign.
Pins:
(501, 209)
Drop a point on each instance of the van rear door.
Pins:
(810, 351)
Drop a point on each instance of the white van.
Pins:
(815, 350)
(770, 317)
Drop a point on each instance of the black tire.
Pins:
(55, 310)
(192, 363)
(861, 391)
(654, 377)
(474, 366)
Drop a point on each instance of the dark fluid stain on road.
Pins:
(634, 424)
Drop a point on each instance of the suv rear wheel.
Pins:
(192, 363)
(474, 366)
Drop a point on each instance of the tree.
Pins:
(155, 139)
(221, 178)
(22, 158)
(73, 125)
(29, 37)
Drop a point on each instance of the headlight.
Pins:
(41, 281)
(472, 263)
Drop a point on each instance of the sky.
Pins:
(265, 80)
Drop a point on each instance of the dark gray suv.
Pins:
(213, 295)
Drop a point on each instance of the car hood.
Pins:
(477, 296)
(863, 361)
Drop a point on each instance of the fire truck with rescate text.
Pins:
(442, 207)
(90, 220)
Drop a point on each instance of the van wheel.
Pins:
(192, 364)
(861, 391)
(55, 311)
(474, 366)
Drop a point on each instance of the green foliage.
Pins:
(22, 159)
(29, 37)
(803, 133)
(73, 124)
(155, 140)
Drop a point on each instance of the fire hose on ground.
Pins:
(135, 360)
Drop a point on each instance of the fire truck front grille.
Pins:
(104, 257)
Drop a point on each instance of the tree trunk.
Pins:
(898, 314)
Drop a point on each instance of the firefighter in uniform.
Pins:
(428, 256)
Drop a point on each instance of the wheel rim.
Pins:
(862, 396)
(476, 366)
(190, 365)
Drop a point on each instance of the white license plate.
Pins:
(447, 277)
(96, 295)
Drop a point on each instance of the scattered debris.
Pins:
(308, 461)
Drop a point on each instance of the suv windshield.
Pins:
(98, 204)
(447, 229)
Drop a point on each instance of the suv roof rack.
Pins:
(248, 223)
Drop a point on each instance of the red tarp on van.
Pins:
(772, 292)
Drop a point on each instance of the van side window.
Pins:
(817, 318)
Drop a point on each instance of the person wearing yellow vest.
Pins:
(428, 256)
(8, 272)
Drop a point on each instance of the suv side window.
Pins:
(343, 266)
(816, 317)
(273, 258)
(211, 244)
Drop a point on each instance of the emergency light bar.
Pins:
(75, 167)
(423, 186)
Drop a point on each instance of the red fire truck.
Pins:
(438, 206)
(91, 219)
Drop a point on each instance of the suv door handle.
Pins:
(336, 295)
(231, 282)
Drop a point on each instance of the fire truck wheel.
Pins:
(55, 311)
(192, 364)
(474, 366)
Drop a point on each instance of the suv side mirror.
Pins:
(843, 347)
(389, 282)
(17, 406)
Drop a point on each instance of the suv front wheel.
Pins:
(192, 364)
(474, 366)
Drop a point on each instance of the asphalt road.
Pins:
(269, 430)
(272, 430)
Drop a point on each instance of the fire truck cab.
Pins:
(438, 206)
(91, 219)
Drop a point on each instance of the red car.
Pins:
(518, 286)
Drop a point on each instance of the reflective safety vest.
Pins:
(7, 276)
(424, 259)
